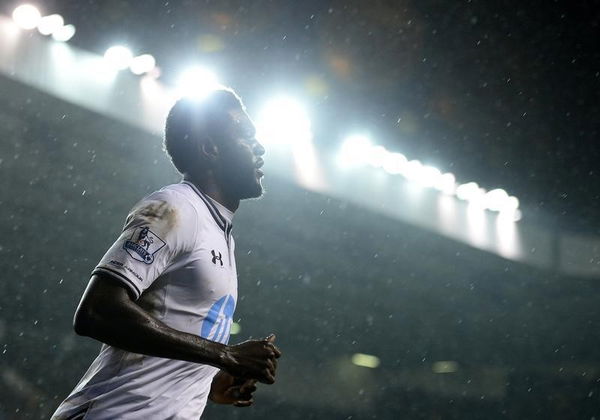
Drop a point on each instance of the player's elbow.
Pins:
(98, 308)
(82, 321)
(88, 321)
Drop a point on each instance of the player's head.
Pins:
(215, 137)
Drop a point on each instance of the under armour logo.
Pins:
(216, 257)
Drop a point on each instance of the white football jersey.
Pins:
(176, 257)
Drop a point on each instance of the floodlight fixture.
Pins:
(467, 191)
(495, 199)
(365, 360)
(509, 209)
(196, 82)
(26, 16)
(394, 163)
(510, 204)
(444, 366)
(118, 57)
(377, 156)
(49, 24)
(236, 328)
(412, 170)
(64, 33)
(141, 64)
(358, 150)
(446, 183)
(354, 151)
(429, 176)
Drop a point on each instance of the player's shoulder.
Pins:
(170, 201)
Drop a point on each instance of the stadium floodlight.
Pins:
(141, 64)
(377, 156)
(509, 209)
(27, 16)
(468, 191)
(354, 151)
(284, 120)
(444, 366)
(49, 24)
(365, 360)
(412, 170)
(118, 57)
(235, 328)
(446, 183)
(477, 199)
(64, 33)
(394, 163)
(495, 199)
(510, 204)
(429, 176)
(196, 82)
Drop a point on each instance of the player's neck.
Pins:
(209, 187)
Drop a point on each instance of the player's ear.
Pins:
(208, 149)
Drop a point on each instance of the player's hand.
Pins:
(253, 359)
(227, 389)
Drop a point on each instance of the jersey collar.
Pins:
(221, 209)
(222, 215)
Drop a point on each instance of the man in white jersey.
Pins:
(163, 296)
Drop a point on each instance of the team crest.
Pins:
(143, 244)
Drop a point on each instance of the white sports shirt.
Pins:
(176, 257)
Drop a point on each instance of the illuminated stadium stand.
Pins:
(80, 77)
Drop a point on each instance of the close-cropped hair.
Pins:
(191, 120)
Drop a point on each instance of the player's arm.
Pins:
(107, 313)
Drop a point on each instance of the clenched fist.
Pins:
(253, 359)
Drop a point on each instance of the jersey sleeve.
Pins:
(158, 230)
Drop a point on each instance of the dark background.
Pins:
(502, 93)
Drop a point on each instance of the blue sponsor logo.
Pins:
(217, 324)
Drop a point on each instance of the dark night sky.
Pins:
(504, 93)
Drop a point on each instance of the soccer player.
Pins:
(163, 296)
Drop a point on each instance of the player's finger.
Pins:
(271, 339)
(248, 387)
(269, 342)
(244, 403)
(234, 393)
(276, 351)
(246, 393)
(268, 377)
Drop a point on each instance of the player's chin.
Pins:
(257, 192)
(252, 191)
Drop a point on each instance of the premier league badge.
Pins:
(143, 244)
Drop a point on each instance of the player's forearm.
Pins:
(129, 327)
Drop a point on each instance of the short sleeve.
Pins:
(157, 231)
